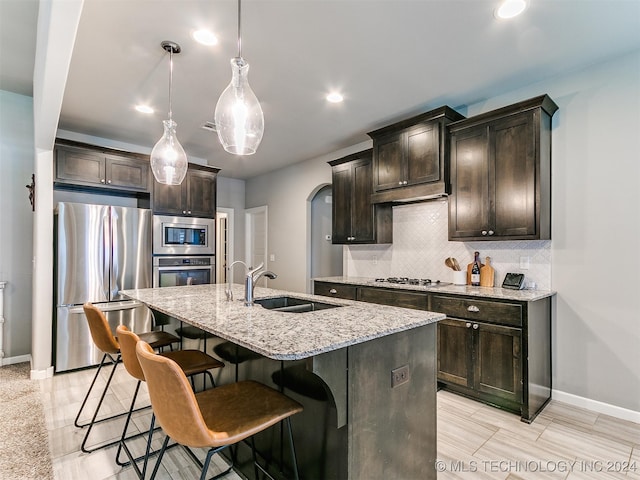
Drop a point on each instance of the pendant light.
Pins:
(238, 116)
(168, 160)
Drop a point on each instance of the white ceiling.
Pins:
(390, 58)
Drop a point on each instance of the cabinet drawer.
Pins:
(338, 290)
(394, 298)
(480, 310)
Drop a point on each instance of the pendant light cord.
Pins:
(239, 36)
(170, 80)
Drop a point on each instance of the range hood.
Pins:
(412, 193)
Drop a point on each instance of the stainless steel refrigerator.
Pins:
(100, 250)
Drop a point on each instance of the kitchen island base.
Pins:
(355, 424)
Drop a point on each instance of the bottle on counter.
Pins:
(475, 270)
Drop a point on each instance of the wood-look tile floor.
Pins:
(475, 441)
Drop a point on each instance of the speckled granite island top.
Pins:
(281, 335)
(486, 292)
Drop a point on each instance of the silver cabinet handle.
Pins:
(468, 325)
(400, 182)
(404, 183)
(102, 180)
(490, 232)
(189, 212)
(333, 291)
(184, 211)
(484, 232)
(473, 308)
(475, 326)
(109, 182)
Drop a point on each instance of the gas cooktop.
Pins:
(423, 282)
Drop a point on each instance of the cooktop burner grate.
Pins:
(424, 282)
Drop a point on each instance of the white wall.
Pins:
(595, 229)
(288, 193)
(16, 219)
(231, 194)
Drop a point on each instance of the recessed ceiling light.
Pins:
(335, 97)
(205, 37)
(144, 109)
(510, 8)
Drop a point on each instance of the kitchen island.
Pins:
(366, 375)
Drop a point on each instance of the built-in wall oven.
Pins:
(183, 270)
(183, 236)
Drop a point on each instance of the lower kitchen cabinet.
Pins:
(496, 351)
(482, 357)
(490, 352)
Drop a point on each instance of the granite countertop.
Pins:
(280, 335)
(487, 292)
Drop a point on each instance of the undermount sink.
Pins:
(293, 305)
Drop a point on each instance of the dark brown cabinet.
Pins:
(85, 166)
(410, 158)
(496, 351)
(355, 219)
(501, 173)
(194, 197)
(482, 357)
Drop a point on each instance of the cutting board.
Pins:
(469, 267)
(487, 274)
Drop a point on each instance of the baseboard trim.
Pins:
(16, 359)
(42, 374)
(596, 406)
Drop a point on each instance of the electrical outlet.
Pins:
(399, 376)
(272, 257)
(525, 263)
(327, 238)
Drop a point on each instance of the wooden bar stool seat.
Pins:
(104, 340)
(216, 418)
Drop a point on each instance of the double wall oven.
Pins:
(183, 251)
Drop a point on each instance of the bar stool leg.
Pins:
(86, 397)
(95, 414)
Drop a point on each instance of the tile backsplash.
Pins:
(420, 245)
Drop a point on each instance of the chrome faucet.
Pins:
(251, 279)
(228, 291)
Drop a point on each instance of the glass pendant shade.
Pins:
(168, 159)
(238, 116)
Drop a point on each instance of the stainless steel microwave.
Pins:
(183, 236)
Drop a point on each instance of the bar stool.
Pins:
(216, 418)
(191, 362)
(108, 344)
(234, 354)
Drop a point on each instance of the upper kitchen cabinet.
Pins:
(355, 219)
(501, 173)
(410, 158)
(80, 165)
(194, 197)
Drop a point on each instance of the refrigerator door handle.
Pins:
(110, 307)
(106, 254)
(115, 255)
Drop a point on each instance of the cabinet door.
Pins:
(338, 290)
(470, 204)
(512, 148)
(362, 214)
(201, 194)
(80, 166)
(167, 199)
(498, 363)
(455, 352)
(128, 173)
(341, 215)
(423, 154)
(389, 162)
